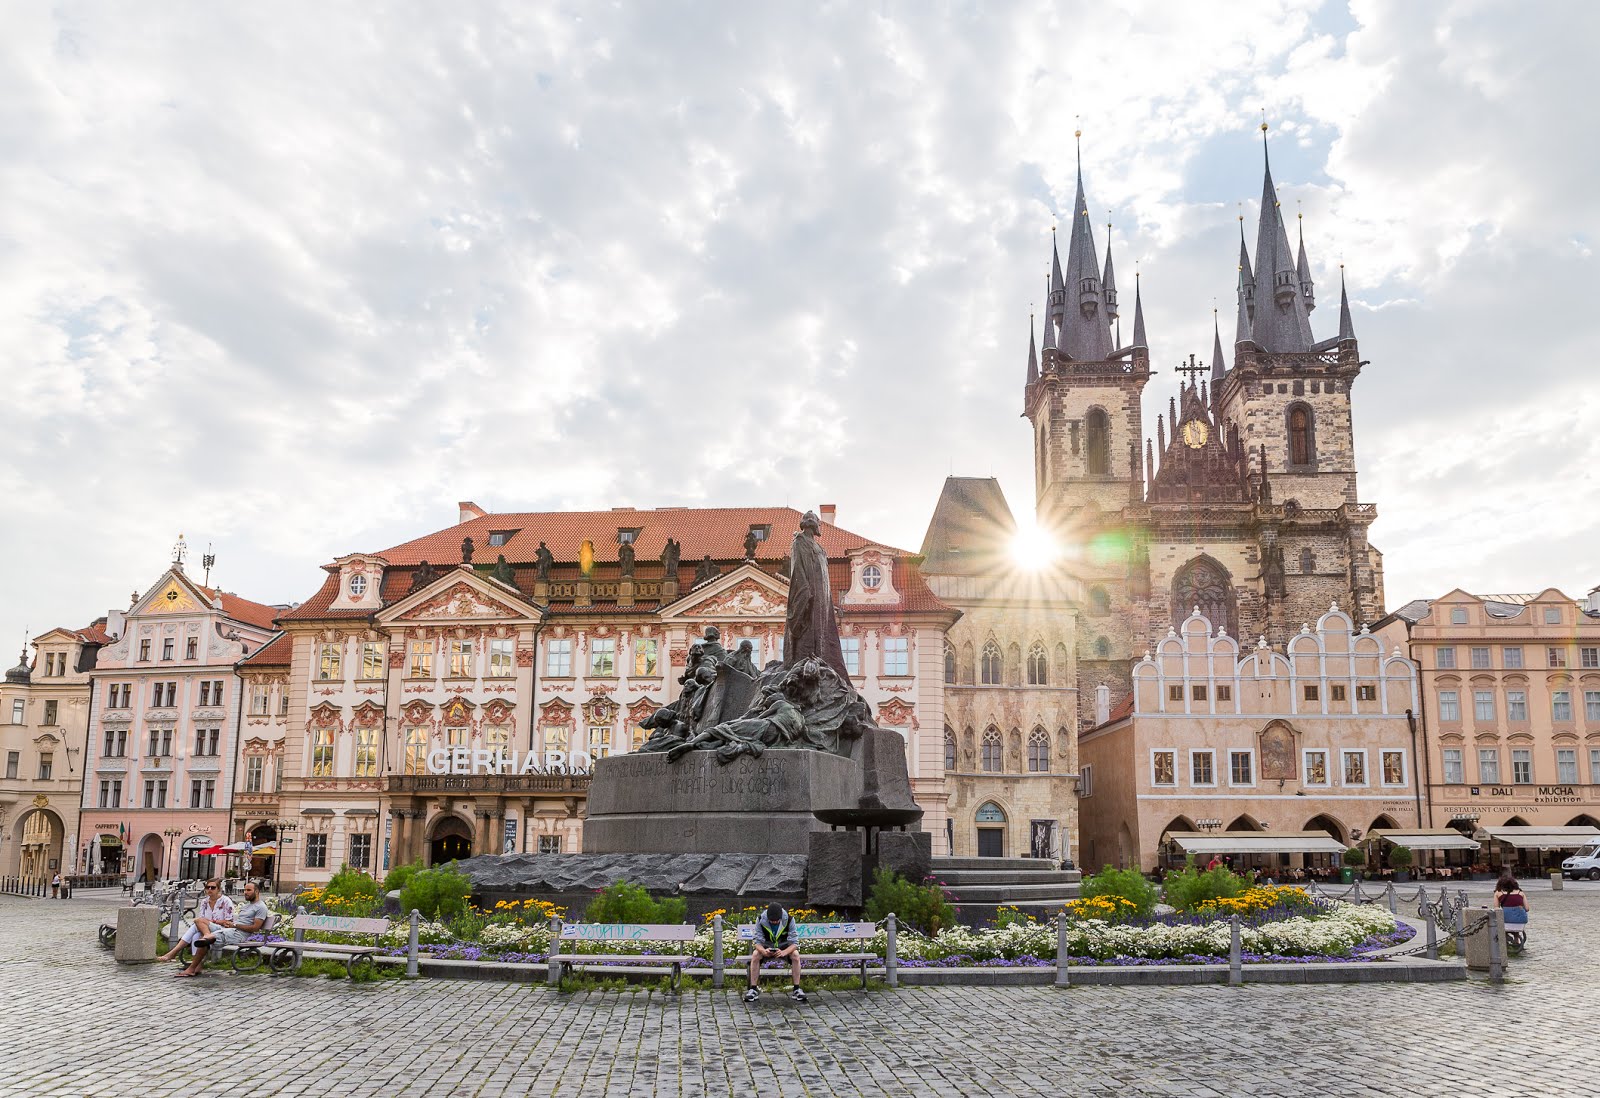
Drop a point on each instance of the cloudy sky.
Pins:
(294, 279)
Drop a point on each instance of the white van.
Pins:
(1585, 863)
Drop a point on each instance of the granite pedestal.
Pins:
(137, 928)
(641, 803)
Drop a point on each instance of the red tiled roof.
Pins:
(275, 653)
(239, 609)
(715, 531)
(1121, 711)
(93, 633)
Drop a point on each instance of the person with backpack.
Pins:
(775, 940)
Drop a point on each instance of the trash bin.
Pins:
(1347, 875)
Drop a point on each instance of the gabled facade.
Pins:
(44, 709)
(556, 637)
(1314, 736)
(162, 743)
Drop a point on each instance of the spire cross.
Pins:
(1192, 369)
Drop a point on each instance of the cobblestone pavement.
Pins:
(75, 1022)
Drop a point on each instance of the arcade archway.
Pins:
(449, 839)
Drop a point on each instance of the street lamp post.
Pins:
(282, 840)
(172, 834)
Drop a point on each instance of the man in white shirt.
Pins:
(214, 909)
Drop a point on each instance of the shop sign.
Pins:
(1557, 794)
(478, 760)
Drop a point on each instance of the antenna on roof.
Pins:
(208, 560)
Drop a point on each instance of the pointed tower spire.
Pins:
(1049, 343)
(1247, 292)
(1033, 354)
(1139, 339)
(1085, 325)
(1280, 323)
(1219, 368)
(1109, 280)
(1347, 330)
(1302, 268)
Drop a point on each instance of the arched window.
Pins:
(1038, 666)
(1308, 562)
(1203, 583)
(1102, 649)
(949, 662)
(1038, 751)
(990, 759)
(949, 749)
(1302, 436)
(1099, 601)
(1097, 428)
(990, 666)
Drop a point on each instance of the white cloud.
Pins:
(296, 282)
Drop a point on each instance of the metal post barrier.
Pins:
(1235, 953)
(717, 961)
(1433, 933)
(1497, 945)
(299, 935)
(1356, 892)
(1063, 977)
(411, 943)
(552, 969)
(1390, 897)
(891, 963)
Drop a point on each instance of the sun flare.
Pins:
(1034, 549)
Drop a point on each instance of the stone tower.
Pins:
(1082, 397)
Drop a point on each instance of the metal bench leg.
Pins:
(863, 975)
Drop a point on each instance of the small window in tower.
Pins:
(1299, 388)
(1316, 387)
(1098, 431)
(1302, 448)
(1308, 562)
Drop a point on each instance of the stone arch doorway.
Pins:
(40, 835)
(450, 839)
(149, 863)
(264, 834)
(991, 821)
(1326, 823)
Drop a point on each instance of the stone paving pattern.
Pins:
(76, 1023)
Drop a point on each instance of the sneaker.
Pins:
(797, 995)
(752, 995)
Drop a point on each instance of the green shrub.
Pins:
(351, 884)
(439, 893)
(921, 907)
(399, 875)
(1189, 887)
(1130, 884)
(1400, 857)
(626, 902)
(1355, 856)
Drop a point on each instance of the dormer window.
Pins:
(627, 535)
(762, 531)
(498, 538)
(871, 577)
(358, 585)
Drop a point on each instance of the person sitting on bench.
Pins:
(774, 940)
(214, 907)
(230, 930)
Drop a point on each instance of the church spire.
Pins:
(1280, 323)
(1138, 315)
(1109, 281)
(1049, 343)
(1085, 325)
(1303, 269)
(1347, 330)
(1219, 368)
(1247, 292)
(1033, 354)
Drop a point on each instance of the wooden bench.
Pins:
(562, 963)
(286, 956)
(818, 932)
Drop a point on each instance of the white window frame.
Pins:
(1455, 705)
(558, 658)
(463, 658)
(850, 647)
(1154, 751)
(371, 660)
(1460, 764)
(607, 647)
(1527, 757)
(1249, 754)
(1591, 706)
(1366, 774)
(502, 657)
(1212, 754)
(1511, 657)
(1405, 768)
(1560, 699)
(648, 648)
(1561, 778)
(1493, 753)
(1305, 768)
(1481, 700)
(1516, 705)
(897, 657)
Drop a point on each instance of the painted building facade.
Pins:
(45, 709)
(555, 637)
(1314, 736)
(1510, 709)
(163, 728)
(1010, 682)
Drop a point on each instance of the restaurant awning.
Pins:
(1444, 838)
(1257, 842)
(1545, 838)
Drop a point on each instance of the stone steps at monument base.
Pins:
(1013, 893)
(987, 877)
(1025, 865)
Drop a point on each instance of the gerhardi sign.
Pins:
(479, 760)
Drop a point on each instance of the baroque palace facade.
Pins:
(552, 636)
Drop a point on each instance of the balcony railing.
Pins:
(489, 783)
